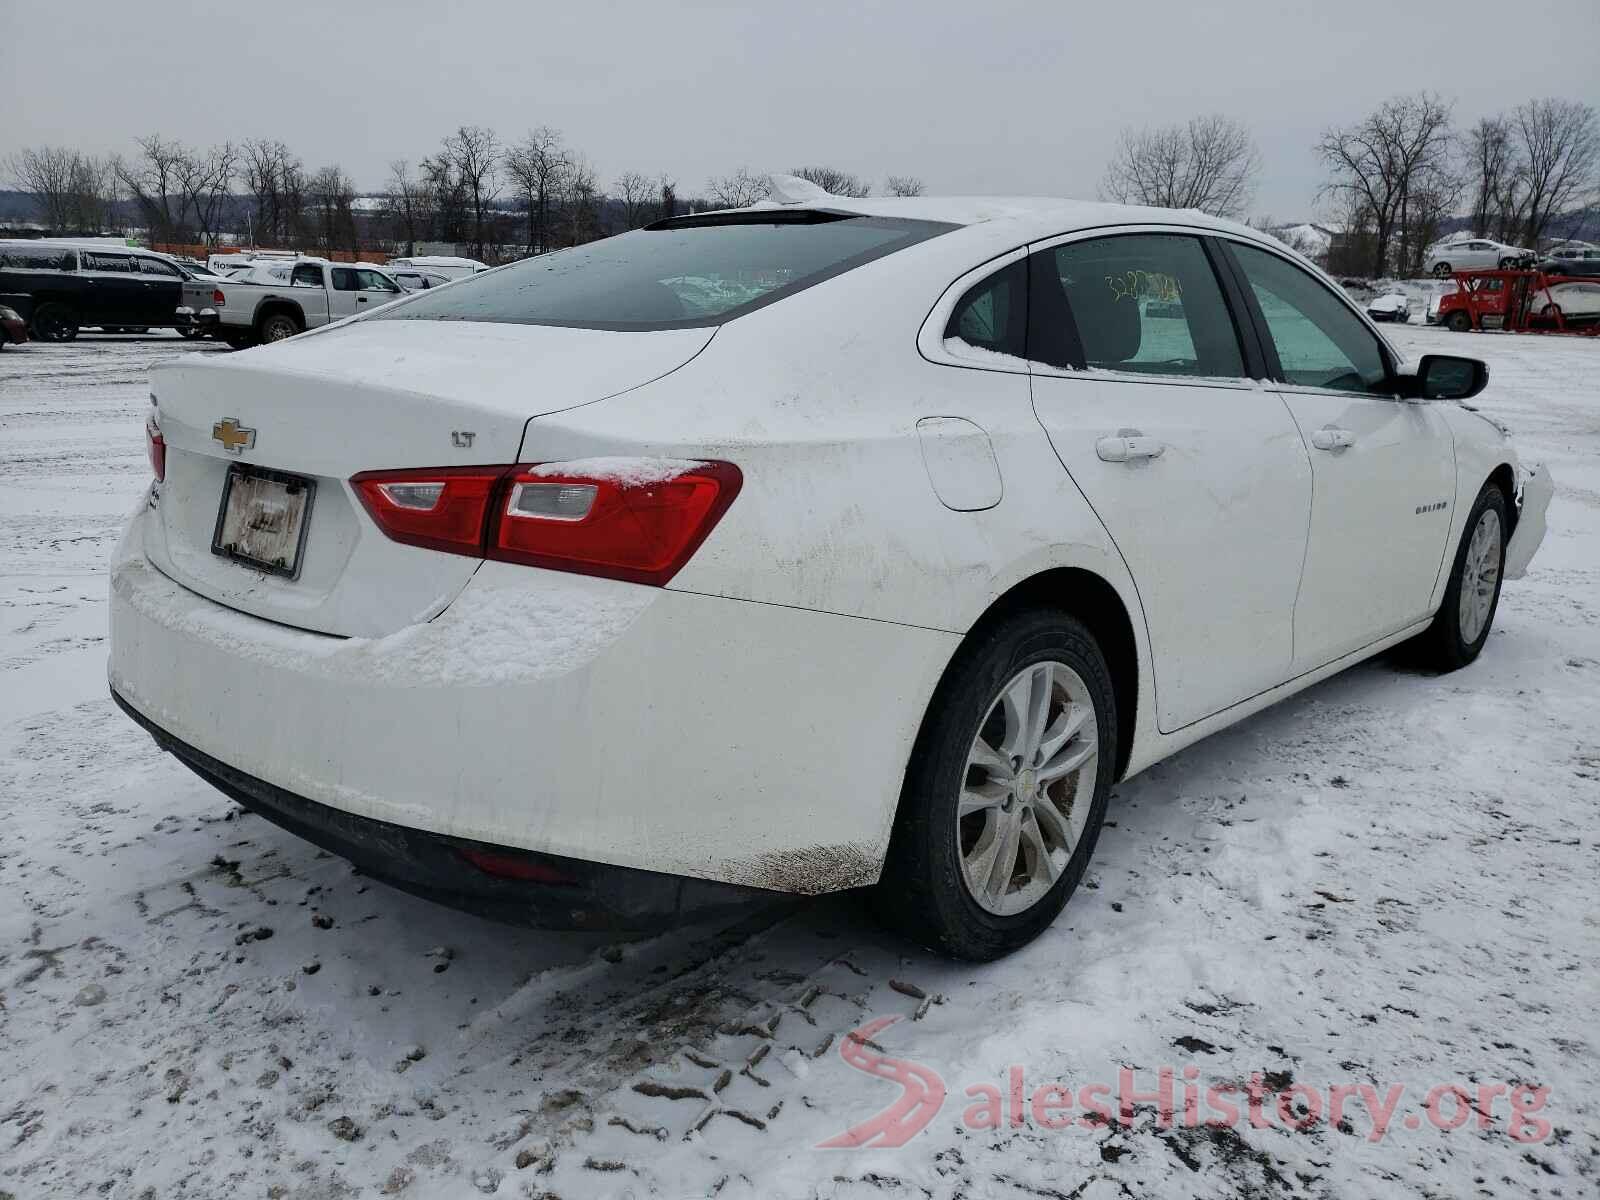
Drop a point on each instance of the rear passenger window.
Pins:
(1147, 304)
(345, 280)
(1320, 342)
(991, 316)
(122, 263)
(306, 275)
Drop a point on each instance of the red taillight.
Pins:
(640, 521)
(440, 509)
(156, 446)
(218, 298)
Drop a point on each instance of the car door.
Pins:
(376, 290)
(115, 295)
(343, 291)
(1197, 471)
(163, 290)
(1383, 468)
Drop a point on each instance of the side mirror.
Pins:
(1445, 377)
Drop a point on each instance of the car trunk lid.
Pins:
(372, 395)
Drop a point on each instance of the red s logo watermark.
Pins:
(922, 1093)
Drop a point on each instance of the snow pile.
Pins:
(619, 469)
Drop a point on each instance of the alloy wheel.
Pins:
(1028, 789)
(1480, 576)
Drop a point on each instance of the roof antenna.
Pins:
(791, 189)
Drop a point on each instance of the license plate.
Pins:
(263, 519)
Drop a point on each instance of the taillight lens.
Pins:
(638, 520)
(218, 298)
(443, 508)
(156, 447)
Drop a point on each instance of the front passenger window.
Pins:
(1320, 342)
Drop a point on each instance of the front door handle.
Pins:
(361, 299)
(1127, 446)
(1331, 437)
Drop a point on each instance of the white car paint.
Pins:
(1390, 306)
(1580, 300)
(758, 711)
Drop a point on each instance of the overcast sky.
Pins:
(999, 96)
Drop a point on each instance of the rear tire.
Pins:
(1442, 271)
(980, 883)
(275, 327)
(55, 322)
(1461, 627)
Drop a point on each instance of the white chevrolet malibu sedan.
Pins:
(821, 545)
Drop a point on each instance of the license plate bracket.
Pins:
(263, 519)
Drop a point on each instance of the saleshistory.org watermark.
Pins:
(1263, 1101)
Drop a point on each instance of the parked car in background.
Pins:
(1571, 260)
(74, 286)
(13, 326)
(278, 300)
(416, 279)
(443, 264)
(1575, 303)
(1474, 254)
(1390, 305)
(422, 587)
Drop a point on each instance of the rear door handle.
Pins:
(1331, 437)
(1128, 445)
(361, 299)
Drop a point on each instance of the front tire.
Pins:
(1461, 627)
(1006, 789)
(1459, 322)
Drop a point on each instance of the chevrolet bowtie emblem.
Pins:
(233, 436)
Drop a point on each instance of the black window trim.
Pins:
(1078, 360)
(1263, 335)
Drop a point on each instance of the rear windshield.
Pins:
(691, 271)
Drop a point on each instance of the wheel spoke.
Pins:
(1069, 760)
(1071, 720)
(991, 760)
(980, 797)
(1017, 702)
(1051, 819)
(1044, 864)
(1004, 863)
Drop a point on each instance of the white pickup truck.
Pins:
(314, 292)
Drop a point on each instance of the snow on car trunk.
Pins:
(256, 509)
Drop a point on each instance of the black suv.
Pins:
(113, 287)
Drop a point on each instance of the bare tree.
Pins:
(1392, 165)
(578, 195)
(1210, 164)
(903, 185)
(1491, 165)
(474, 151)
(636, 193)
(204, 183)
(49, 175)
(450, 201)
(153, 180)
(408, 205)
(1559, 144)
(535, 165)
(275, 181)
(669, 198)
(834, 181)
(332, 196)
(739, 190)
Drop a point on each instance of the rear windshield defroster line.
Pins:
(677, 274)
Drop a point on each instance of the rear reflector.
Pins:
(510, 865)
(638, 525)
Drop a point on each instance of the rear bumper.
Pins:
(541, 890)
(587, 719)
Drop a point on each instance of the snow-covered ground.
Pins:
(1389, 880)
